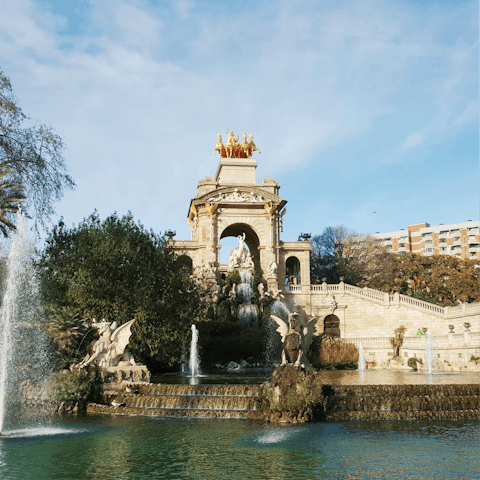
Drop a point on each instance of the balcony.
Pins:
(472, 240)
(387, 242)
(427, 252)
(443, 235)
(457, 242)
(402, 248)
(474, 248)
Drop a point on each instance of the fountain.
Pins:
(24, 360)
(247, 313)
(429, 351)
(361, 358)
(194, 365)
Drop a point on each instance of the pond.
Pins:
(113, 447)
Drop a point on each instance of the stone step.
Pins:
(402, 404)
(403, 415)
(215, 402)
(454, 390)
(174, 412)
(223, 390)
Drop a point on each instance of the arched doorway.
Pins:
(292, 271)
(251, 241)
(331, 326)
(185, 261)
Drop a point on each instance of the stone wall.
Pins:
(370, 317)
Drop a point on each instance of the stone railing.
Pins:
(369, 293)
(370, 342)
(386, 299)
(293, 288)
(454, 340)
(421, 305)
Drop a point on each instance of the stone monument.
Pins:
(109, 353)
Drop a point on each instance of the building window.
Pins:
(428, 242)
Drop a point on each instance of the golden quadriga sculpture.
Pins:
(233, 149)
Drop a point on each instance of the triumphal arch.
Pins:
(233, 204)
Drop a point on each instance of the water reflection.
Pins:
(332, 377)
(138, 448)
(396, 377)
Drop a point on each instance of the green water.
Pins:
(109, 447)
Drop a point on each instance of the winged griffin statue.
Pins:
(109, 350)
(296, 339)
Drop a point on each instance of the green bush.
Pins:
(74, 388)
(412, 362)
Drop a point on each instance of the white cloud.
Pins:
(140, 97)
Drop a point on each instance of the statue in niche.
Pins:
(296, 339)
(240, 257)
(272, 270)
(110, 349)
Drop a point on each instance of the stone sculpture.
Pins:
(240, 257)
(110, 349)
(296, 339)
(272, 270)
(211, 269)
(261, 290)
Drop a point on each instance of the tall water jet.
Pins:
(194, 364)
(361, 358)
(247, 313)
(24, 361)
(429, 351)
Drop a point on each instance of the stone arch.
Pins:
(331, 326)
(252, 240)
(186, 261)
(255, 224)
(293, 270)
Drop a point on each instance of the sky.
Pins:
(366, 113)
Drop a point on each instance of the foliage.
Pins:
(307, 393)
(73, 387)
(11, 195)
(412, 362)
(441, 279)
(117, 270)
(32, 156)
(67, 330)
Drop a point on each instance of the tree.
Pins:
(11, 195)
(441, 279)
(340, 252)
(33, 155)
(325, 255)
(117, 270)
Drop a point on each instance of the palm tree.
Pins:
(11, 195)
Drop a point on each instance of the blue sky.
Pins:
(357, 107)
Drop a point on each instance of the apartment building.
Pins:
(459, 239)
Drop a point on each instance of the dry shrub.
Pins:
(335, 351)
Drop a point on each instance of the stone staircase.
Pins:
(398, 402)
(210, 401)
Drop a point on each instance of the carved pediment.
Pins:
(239, 195)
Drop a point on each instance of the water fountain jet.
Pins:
(24, 359)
